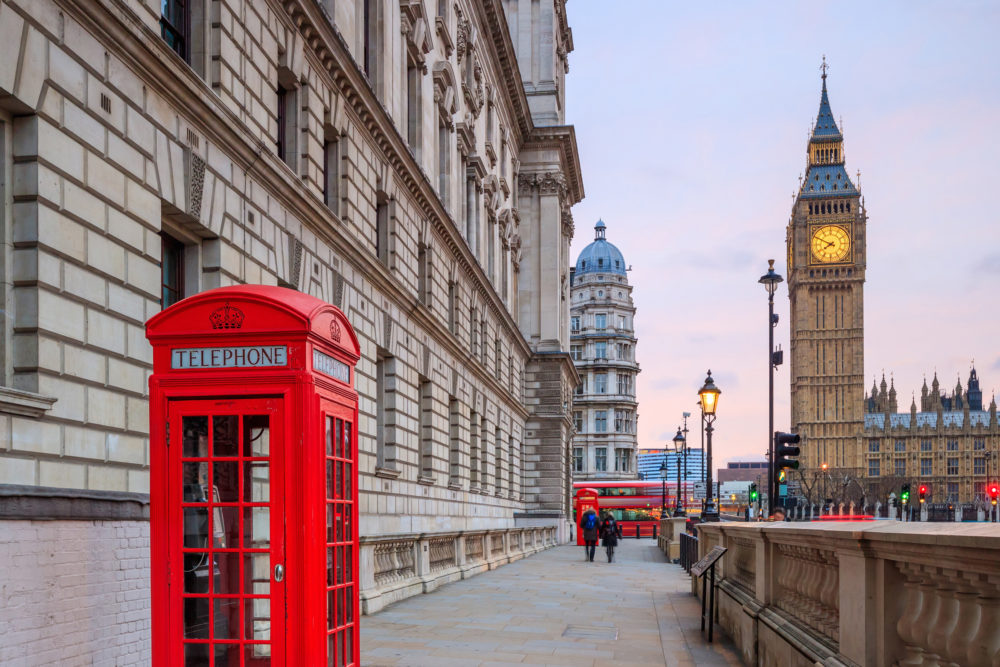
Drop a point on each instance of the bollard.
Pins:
(654, 530)
(636, 531)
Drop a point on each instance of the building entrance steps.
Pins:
(553, 609)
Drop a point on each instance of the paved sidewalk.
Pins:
(552, 609)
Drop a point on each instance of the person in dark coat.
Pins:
(590, 525)
(609, 535)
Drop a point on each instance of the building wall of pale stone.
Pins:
(109, 139)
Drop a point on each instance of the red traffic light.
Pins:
(923, 489)
(994, 490)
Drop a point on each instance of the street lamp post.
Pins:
(709, 402)
(770, 281)
(663, 482)
(679, 449)
(703, 480)
(685, 415)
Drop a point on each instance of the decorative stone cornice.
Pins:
(506, 56)
(563, 139)
(24, 403)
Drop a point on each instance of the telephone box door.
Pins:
(341, 534)
(225, 488)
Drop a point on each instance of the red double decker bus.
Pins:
(633, 503)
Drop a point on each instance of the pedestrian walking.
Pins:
(609, 535)
(590, 526)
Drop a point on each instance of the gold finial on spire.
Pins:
(823, 68)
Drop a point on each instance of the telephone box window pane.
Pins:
(257, 573)
(341, 604)
(331, 608)
(340, 567)
(348, 647)
(225, 434)
(349, 561)
(226, 477)
(349, 608)
(347, 440)
(258, 655)
(196, 618)
(196, 655)
(329, 523)
(257, 612)
(256, 527)
(227, 654)
(332, 657)
(257, 482)
(195, 431)
(329, 480)
(226, 527)
(227, 573)
(329, 436)
(340, 479)
(256, 436)
(348, 534)
(330, 566)
(195, 479)
(340, 438)
(348, 491)
(196, 575)
(195, 528)
(227, 623)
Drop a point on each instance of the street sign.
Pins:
(708, 561)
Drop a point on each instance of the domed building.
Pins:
(602, 343)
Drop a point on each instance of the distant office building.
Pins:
(648, 464)
(743, 471)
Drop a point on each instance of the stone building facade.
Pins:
(602, 344)
(951, 444)
(405, 160)
(827, 256)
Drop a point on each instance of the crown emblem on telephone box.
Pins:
(335, 330)
(226, 317)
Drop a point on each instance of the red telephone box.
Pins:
(253, 481)
(586, 499)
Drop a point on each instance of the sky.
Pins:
(692, 122)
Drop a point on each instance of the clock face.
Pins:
(831, 243)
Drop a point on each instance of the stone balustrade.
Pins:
(395, 567)
(880, 593)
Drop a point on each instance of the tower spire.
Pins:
(823, 68)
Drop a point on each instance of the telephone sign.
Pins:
(253, 481)
(230, 357)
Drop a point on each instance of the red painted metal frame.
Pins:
(245, 316)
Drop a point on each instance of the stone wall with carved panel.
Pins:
(866, 593)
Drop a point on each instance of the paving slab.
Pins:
(552, 608)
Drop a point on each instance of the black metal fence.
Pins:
(689, 551)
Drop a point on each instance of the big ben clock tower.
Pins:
(826, 277)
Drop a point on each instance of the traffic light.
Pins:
(923, 493)
(904, 495)
(994, 493)
(784, 449)
(753, 492)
